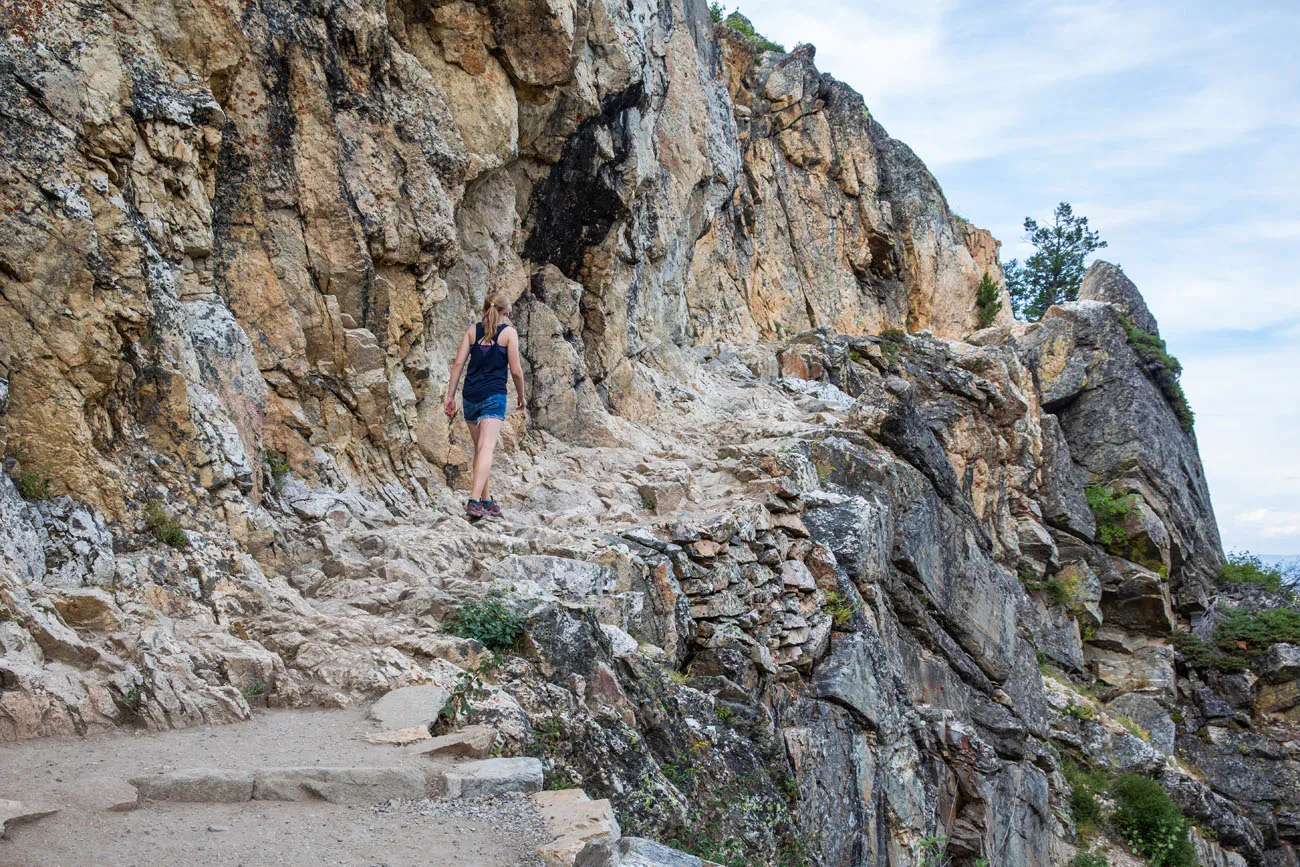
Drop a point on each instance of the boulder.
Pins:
(409, 707)
(1278, 664)
(574, 820)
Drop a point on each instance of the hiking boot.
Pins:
(492, 508)
(475, 509)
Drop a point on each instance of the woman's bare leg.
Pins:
(488, 431)
(473, 435)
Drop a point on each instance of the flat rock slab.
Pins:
(400, 737)
(574, 820)
(201, 785)
(471, 742)
(409, 707)
(17, 812)
(633, 852)
(338, 785)
(489, 777)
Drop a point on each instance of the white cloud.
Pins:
(1270, 524)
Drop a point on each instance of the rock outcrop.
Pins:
(806, 566)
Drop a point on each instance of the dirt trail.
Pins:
(83, 776)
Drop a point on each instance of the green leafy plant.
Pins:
(1256, 631)
(489, 620)
(723, 712)
(892, 341)
(31, 484)
(1245, 568)
(278, 463)
(716, 12)
(841, 609)
(1053, 273)
(164, 527)
(745, 28)
(1085, 787)
(988, 301)
(1110, 509)
(1079, 711)
(1204, 656)
(253, 689)
(1131, 726)
(1089, 859)
(1163, 369)
(1151, 823)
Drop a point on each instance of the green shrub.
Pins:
(1245, 568)
(716, 12)
(1163, 368)
(164, 527)
(1150, 823)
(745, 28)
(1110, 509)
(1085, 785)
(1089, 859)
(841, 609)
(1257, 630)
(488, 620)
(34, 486)
(988, 301)
(278, 463)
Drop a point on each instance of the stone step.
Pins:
(14, 813)
(486, 777)
(356, 785)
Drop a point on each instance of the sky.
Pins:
(1174, 127)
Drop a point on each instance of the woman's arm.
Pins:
(453, 382)
(516, 369)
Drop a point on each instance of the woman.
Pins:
(492, 347)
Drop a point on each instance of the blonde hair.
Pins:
(494, 313)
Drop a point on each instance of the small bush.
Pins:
(1245, 568)
(1089, 859)
(1150, 823)
(1110, 509)
(164, 527)
(1079, 711)
(278, 463)
(1257, 631)
(1163, 368)
(34, 486)
(716, 12)
(253, 689)
(841, 609)
(1085, 785)
(488, 620)
(891, 344)
(988, 301)
(1204, 656)
(745, 28)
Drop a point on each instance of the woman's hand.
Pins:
(519, 404)
(450, 407)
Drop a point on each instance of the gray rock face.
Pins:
(1105, 282)
(1121, 432)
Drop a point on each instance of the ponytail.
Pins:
(494, 312)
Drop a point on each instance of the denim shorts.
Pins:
(492, 406)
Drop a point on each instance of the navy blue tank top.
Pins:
(486, 374)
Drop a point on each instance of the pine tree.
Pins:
(987, 301)
(1052, 274)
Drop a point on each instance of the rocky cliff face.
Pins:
(792, 575)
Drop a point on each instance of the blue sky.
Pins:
(1173, 126)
